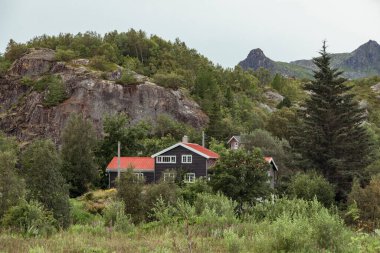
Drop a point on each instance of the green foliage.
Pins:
(102, 64)
(52, 85)
(270, 146)
(4, 65)
(12, 187)
(367, 200)
(127, 77)
(297, 226)
(41, 167)
(310, 185)
(242, 176)
(78, 144)
(64, 55)
(165, 191)
(280, 123)
(29, 219)
(263, 75)
(78, 213)
(190, 191)
(168, 80)
(166, 126)
(14, 50)
(332, 138)
(129, 190)
(114, 216)
(56, 92)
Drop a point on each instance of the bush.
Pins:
(114, 216)
(298, 226)
(190, 191)
(367, 200)
(65, 55)
(12, 187)
(309, 185)
(78, 214)
(56, 92)
(102, 64)
(168, 80)
(54, 87)
(162, 190)
(30, 219)
(4, 65)
(129, 190)
(127, 77)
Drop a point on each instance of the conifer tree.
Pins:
(332, 137)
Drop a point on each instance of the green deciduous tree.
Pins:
(129, 190)
(41, 167)
(332, 137)
(78, 144)
(242, 175)
(11, 185)
(310, 185)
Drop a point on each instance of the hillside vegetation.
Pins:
(322, 133)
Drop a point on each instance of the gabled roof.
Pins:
(236, 137)
(198, 149)
(270, 160)
(136, 163)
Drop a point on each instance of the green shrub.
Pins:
(112, 211)
(27, 81)
(4, 65)
(367, 200)
(298, 226)
(190, 191)
(65, 55)
(78, 213)
(30, 219)
(163, 190)
(114, 216)
(56, 92)
(54, 87)
(127, 77)
(168, 80)
(102, 64)
(310, 185)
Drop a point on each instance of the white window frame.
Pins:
(189, 178)
(166, 159)
(187, 159)
(139, 176)
(169, 176)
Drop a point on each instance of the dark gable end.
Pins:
(198, 165)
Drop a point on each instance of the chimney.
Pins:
(185, 139)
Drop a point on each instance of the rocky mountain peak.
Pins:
(256, 59)
(366, 55)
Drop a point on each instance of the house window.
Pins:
(169, 176)
(189, 178)
(235, 145)
(187, 158)
(166, 159)
(139, 176)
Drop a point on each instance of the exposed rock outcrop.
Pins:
(23, 114)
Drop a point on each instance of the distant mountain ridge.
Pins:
(362, 62)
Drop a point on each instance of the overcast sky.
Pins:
(224, 31)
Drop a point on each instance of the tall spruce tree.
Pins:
(332, 137)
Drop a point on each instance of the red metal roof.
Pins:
(137, 163)
(268, 159)
(203, 150)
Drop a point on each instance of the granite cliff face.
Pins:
(23, 114)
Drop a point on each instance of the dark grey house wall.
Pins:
(149, 177)
(198, 166)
